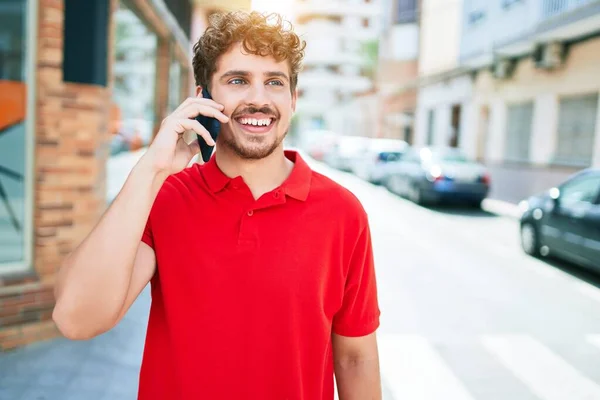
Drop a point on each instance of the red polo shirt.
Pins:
(247, 292)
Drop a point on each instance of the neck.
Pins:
(262, 175)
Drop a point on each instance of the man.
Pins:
(261, 270)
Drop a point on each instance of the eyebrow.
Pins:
(235, 72)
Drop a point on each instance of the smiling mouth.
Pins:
(255, 125)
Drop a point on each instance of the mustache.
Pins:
(255, 110)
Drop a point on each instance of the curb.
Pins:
(502, 208)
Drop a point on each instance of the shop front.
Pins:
(62, 98)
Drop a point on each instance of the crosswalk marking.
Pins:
(545, 373)
(412, 369)
(594, 339)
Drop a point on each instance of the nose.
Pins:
(258, 95)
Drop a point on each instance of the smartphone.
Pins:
(212, 125)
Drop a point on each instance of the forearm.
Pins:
(358, 379)
(94, 280)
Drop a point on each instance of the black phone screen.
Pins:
(212, 125)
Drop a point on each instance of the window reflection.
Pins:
(12, 130)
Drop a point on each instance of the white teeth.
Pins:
(255, 122)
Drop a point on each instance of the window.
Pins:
(475, 17)
(85, 41)
(430, 126)
(506, 4)
(518, 132)
(584, 189)
(14, 131)
(134, 77)
(175, 81)
(406, 11)
(576, 130)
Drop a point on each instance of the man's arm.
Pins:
(98, 282)
(100, 279)
(356, 363)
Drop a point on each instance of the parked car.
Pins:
(565, 221)
(369, 165)
(433, 175)
(345, 152)
(317, 143)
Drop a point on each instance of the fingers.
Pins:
(198, 100)
(185, 124)
(194, 147)
(192, 110)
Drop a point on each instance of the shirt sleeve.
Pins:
(147, 235)
(359, 314)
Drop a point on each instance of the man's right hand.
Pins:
(169, 153)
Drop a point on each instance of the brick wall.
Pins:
(71, 135)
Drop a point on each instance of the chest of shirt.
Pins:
(281, 255)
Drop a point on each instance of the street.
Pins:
(465, 316)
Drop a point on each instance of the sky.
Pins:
(283, 7)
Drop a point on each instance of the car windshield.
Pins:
(448, 156)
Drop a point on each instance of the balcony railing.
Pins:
(553, 8)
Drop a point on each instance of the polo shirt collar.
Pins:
(297, 185)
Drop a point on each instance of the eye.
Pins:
(237, 81)
(275, 82)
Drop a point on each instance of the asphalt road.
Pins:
(467, 315)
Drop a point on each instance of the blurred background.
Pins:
(469, 130)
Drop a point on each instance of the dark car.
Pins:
(435, 175)
(565, 221)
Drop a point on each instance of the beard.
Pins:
(252, 147)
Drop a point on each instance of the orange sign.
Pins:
(12, 103)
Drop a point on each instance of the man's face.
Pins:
(255, 92)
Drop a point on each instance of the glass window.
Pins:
(576, 130)
(13, 87)
(581, 190)
(174, 84)
(134, 75)
(518, 132)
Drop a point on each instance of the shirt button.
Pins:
(250, 213)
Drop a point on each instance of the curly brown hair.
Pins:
(259, 34)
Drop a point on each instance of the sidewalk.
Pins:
(104, 368)
(117, 170)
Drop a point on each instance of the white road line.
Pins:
(546, 374)
(412, 369)
(588, 290)
(594, 339)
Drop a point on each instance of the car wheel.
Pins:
(476, 204)
(530, 239)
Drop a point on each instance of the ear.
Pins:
(198, 91)
(294, 98)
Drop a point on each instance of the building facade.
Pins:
(536, 93)
(525, 100)
(57, 85)
(339, 62)
(398, 69)
(444, 89)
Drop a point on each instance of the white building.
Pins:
(336, 64)
(445, 90)
(534, 116)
